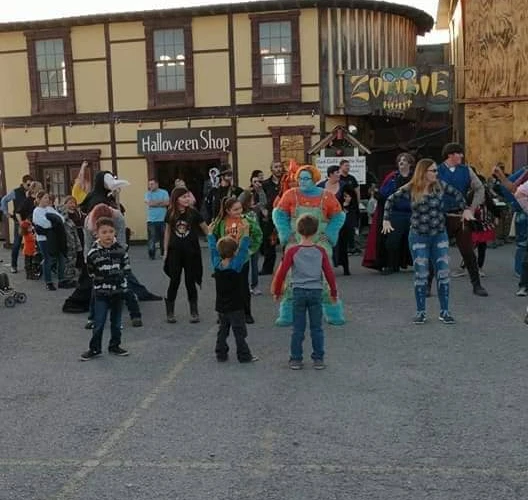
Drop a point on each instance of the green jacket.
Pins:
(255, 233)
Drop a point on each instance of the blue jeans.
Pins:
(155, 231)
(102, 305)
(312, 301)
(17, 243)
(521, 237)
(49, 260)
(131, 303)
(434, 249)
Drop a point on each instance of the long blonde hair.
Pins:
(418, 185)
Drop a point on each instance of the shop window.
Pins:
(50, 71)
(291, 143)
(276, 57)
(169, 63)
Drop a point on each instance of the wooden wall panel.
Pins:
(488, 137)
(496, 48)
(520, 121)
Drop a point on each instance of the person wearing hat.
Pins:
(225, 189)
(454, 173)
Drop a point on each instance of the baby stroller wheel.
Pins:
(20, 297)
(10, 302)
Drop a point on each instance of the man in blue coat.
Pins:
(460, 176)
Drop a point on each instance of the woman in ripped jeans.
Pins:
(428, 239)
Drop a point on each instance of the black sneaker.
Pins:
(251, 359)
(295, 364)
(446, 318)
(89, 325)
(88, 355)
(67, 284)
(420, 318)
(249, 319)
(51, 287)
(480, 291)
(318, 364)
(150, 297)
(118, 351)
(136, 322)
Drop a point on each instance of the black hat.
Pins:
(451, 148)
(227, 171)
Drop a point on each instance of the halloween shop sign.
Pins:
(187, 140)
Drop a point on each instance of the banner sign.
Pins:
(358, 166)
(395, 90)
(185, 140)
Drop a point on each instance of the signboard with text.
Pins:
(395, 90)
(185, 140)
(358, 166)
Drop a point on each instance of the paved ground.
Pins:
(402, 412)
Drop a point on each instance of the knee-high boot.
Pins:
(169, 309)
(195, 318)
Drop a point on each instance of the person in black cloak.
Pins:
(79, 301)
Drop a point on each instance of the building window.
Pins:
(50, 71)
(51, 68)
(276, 57)
(169, 63)
(169, 56)
(275, 53)
(57, 170)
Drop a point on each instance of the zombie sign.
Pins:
(395, 90)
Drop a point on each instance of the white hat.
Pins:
(113, 184)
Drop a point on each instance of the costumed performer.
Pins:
(313, 200)
(391, 252)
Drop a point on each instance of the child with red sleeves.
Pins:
(31, 257)
(308, 263)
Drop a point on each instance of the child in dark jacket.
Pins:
(107, 263)
(227, 264)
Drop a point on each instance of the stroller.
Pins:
(12, 297)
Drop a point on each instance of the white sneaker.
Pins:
(256, 291)
(458, 273)
(522, 292)
(482, 274)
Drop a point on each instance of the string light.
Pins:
(139, 121)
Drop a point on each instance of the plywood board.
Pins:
(488, 135)
(520, 121)
(496, 48)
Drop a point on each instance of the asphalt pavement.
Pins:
(434, 412)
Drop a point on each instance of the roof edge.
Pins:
(424, 22)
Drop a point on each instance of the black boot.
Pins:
(195, 318)
(169, 308)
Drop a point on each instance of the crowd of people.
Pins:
(416, 212)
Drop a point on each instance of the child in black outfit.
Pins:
(227, 264)
(107, 263)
